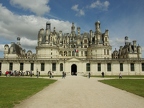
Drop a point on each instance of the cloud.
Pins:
(39, 7)
(80, 12)
(100, 5)
(26, 27)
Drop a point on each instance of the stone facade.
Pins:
(75, 53)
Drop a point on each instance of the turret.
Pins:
(18, 41)
(6, 49)
(48, 25)
(97, 26)
(106, 37)
(78, 30)
(73, 29)
(134, 46)
(40, 36)
(126, 40)
(91, 36)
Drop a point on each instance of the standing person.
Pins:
(89, 75)
(50, 74)
(37, 74)
(31, 73)
(102, 74)
(63, 74)
(120, 75)
(0, 73)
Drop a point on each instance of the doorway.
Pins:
(73, 69)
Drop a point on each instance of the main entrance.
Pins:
(73, 69)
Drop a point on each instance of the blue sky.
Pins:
(24, 18)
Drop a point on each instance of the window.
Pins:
(132, 66)
(107, 52)
(142, 66)
(85, 53)
(10, 66)
(99, 66)
(53, 66)
(32, 67)
(42, 66)
(61, 67)
(104, 51)
(88, 67)
(69, 53)
(81, 53)
(21, 66)
(121, 66)
(85, 41)
(108, 66)
(73, 53)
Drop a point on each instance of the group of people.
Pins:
(50, 74)
(89, 75)
(18, 73)
(63, 74)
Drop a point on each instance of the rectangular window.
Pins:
(32, 67)
(142, 66)
(88, 67)
(107, 52)
(104, 51)
(132, 66)
(108, 66)
(21, 66)
(53, 66)
(99, 66)
(121, 66)
(42, 66)
(85, 53)
(81, 53)
(10, 66)
(61, 67)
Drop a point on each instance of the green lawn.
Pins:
(135, 86)
(14, 89)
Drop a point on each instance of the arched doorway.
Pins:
(73, 69)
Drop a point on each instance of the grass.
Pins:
(14, 89)
(135, 86)
(124, 76)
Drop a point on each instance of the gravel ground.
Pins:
(82, 92)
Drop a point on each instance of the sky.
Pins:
(24, 18)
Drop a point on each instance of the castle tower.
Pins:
(97, 33)
(78, 30)
(48, 25)
(126, 40)
(97, 26)
(18, 41)
(73, 29)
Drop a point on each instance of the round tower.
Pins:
(6, 51)
(97, 26)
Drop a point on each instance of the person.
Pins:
(50, 74)
(63, 74)
(89, 75)
(37, 74)
(30, 73)
(120, 75)
(102, 74)
(0, 73)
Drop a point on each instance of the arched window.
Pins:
(61, 66)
